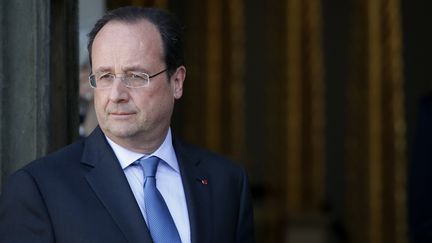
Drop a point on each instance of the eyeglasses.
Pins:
(132, 80)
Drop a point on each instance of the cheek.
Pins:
(99, 101)
(156, 101)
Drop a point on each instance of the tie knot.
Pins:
(150, 165)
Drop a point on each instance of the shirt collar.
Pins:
(165, 152)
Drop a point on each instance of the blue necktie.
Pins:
(159, 220)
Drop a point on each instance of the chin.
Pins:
(123, 132)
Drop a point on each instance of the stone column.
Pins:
(38, 79)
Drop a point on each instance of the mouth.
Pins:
(121, 114)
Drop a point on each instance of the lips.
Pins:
(121, 113)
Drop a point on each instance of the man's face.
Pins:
(134, 113)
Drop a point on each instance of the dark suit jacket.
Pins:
(420, 176)
(80, 194)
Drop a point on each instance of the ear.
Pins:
(177, 80)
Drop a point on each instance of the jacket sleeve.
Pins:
(245, 225)
(23, 213)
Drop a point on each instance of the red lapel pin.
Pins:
(204, 181)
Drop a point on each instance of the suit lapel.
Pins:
(111, 186)
(197, 193)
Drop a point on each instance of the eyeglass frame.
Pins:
(124, 78)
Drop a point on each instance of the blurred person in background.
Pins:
(88, 120)
(420, 176)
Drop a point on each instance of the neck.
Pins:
(144, 144)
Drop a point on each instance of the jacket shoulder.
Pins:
(207, 158)
(64, 157)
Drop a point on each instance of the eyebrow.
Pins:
(124, 69)
(134, 68)
(102, 69)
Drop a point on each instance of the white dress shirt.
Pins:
(168, 182)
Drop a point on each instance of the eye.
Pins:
(106, 76)
(137, 79)
(137, 76)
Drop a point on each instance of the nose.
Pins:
(119, 92)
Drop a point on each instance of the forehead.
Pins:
(118, 37)
(139, 28)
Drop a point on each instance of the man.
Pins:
(103, 188)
